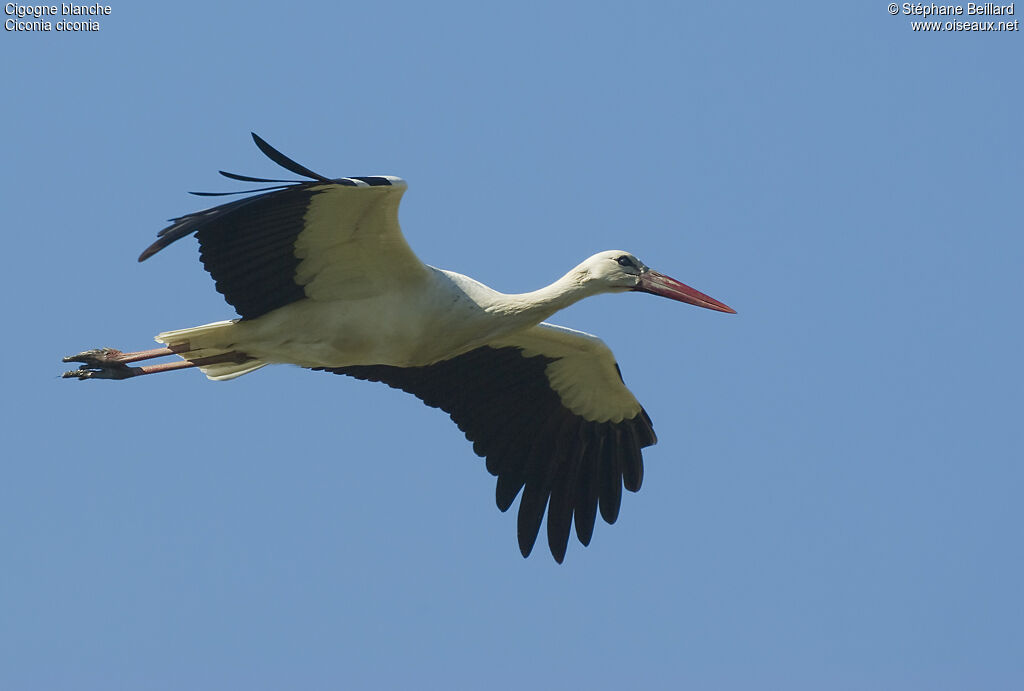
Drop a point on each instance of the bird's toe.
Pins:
(96, 357)
(109, 371)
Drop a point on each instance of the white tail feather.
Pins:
(206, 341)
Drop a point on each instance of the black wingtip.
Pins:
(151, 250)
(285, 162)
(250, 178)
(560, 554)
(236, 192)
(527, 538)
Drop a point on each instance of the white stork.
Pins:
(321, 276)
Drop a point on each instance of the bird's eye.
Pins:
(626, 261)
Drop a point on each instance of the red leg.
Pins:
(103, 357)
(114, 367)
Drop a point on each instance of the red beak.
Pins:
(660, 284)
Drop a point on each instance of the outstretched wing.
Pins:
(548, 409)
(324, 240)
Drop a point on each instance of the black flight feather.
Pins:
(285, 162)
(565, 466)
(249, 178)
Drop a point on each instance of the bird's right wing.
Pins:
(323, 240)
(548, 409)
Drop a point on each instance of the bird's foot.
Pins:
(103, 363)
(115, 370)
(110, 363)
(97, 357)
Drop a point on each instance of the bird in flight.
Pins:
(321, 277)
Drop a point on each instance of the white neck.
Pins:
(536, 306)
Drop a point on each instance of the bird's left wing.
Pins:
(548, 409)
(327, 239)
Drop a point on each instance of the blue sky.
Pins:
(835, 498)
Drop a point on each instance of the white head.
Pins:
(615, 271)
